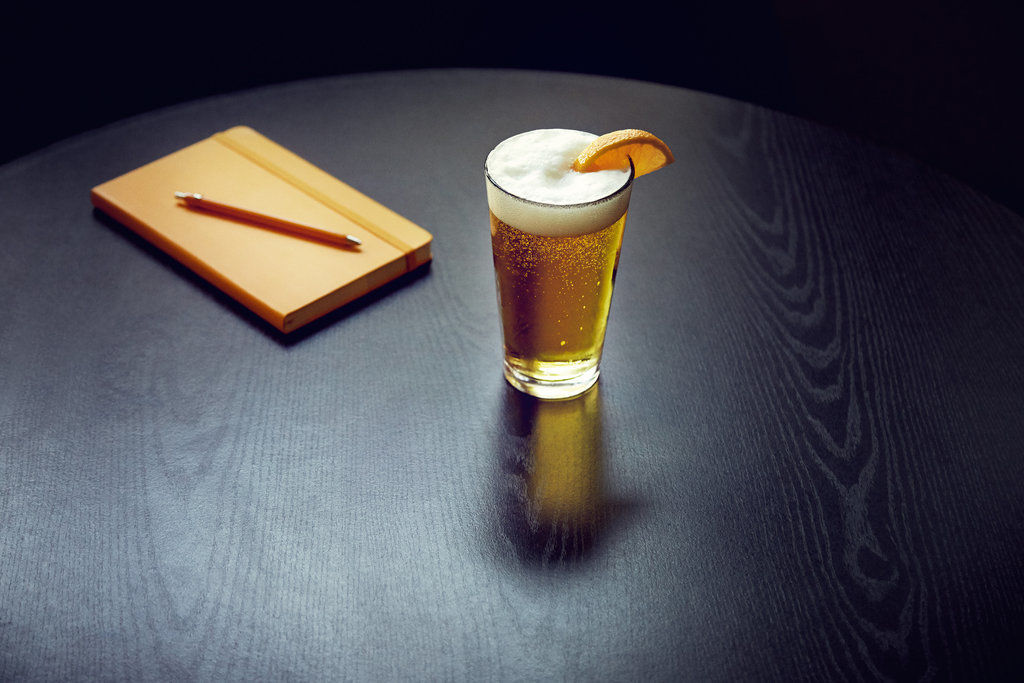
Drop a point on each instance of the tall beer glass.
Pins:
(555, 261)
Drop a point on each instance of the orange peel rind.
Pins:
(613, 150)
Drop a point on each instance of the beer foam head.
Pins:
(543, 195)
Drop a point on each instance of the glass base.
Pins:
(551, 388)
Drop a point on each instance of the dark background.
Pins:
(939, 80)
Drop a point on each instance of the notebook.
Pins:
(287, 280)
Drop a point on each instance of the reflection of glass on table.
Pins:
(556, 503)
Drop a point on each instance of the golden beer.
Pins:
(555, 268)
(554, 294)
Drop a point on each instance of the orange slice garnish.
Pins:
(612, 150)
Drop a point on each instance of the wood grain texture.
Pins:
(856, 391)
(802, 462)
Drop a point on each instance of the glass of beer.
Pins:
(555, 236)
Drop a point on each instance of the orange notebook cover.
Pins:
(287, 280)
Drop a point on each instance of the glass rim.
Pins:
(608, 197)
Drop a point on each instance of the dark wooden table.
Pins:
(804, 459)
